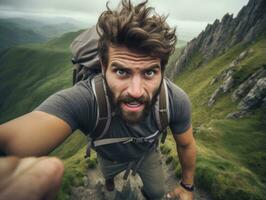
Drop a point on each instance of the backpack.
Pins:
(86, 63)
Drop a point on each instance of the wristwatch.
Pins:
(187, 187)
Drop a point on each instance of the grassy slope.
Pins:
(11, 34)
(231, 153)
(30, 74)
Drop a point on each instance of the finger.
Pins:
(52, 193)
(39, 177)
(7, 167)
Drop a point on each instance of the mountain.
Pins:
(15, 31)
(47, 27)
(11, 35)
(219, 37)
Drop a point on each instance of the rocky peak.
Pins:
(222, 35)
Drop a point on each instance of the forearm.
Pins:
(34, 134)
(187, 158)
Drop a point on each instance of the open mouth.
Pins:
(133, 106)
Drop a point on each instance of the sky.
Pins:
(190, 17)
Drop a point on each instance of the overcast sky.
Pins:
(189, 16)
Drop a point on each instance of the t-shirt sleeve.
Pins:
(74, 105)
(180, 109)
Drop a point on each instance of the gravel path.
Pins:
(93, 187)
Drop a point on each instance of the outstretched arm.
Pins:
(34, 134)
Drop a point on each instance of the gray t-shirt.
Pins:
(77, 106)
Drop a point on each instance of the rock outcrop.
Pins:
(255, 97)
(227, 77)
(251, 94)
(222, 35)
(246, 86)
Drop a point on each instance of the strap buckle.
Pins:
(140, 140)
(136, 140)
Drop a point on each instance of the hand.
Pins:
(30, 178)
(181, 194)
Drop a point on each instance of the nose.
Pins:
(135, 88)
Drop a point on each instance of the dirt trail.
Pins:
(93, 187)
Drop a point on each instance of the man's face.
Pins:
(133, 80)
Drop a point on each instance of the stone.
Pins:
(233, 64)
(228, 84)
(216, 93)
(85, 181)
(237, 115)
(247, 85)
(255, 97)
(242, 55)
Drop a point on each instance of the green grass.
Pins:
(72, 152)
(196, 81)
(75, 169)
(231, 158)
(29, 74)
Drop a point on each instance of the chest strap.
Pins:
(125, 140)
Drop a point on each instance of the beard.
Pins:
(131, 117)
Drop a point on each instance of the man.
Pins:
(134, 47)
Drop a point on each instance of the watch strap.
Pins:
(187, 187)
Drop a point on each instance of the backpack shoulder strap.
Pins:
(103, 107)
(162, 114)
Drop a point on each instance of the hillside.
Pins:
(231, 152)
(30, 73)
(223, 71)
(15, 31)
(11, 35)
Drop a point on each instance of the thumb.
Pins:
(35, 179)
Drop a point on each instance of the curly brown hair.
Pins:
(138, 28)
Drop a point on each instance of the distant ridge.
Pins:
(217, 38)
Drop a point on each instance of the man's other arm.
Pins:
(186, 148)
(34, 134)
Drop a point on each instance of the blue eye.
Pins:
(150, 73)
(120, 72)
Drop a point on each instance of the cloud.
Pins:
(190, 16)
(191, 10)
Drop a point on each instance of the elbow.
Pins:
(189, 145)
